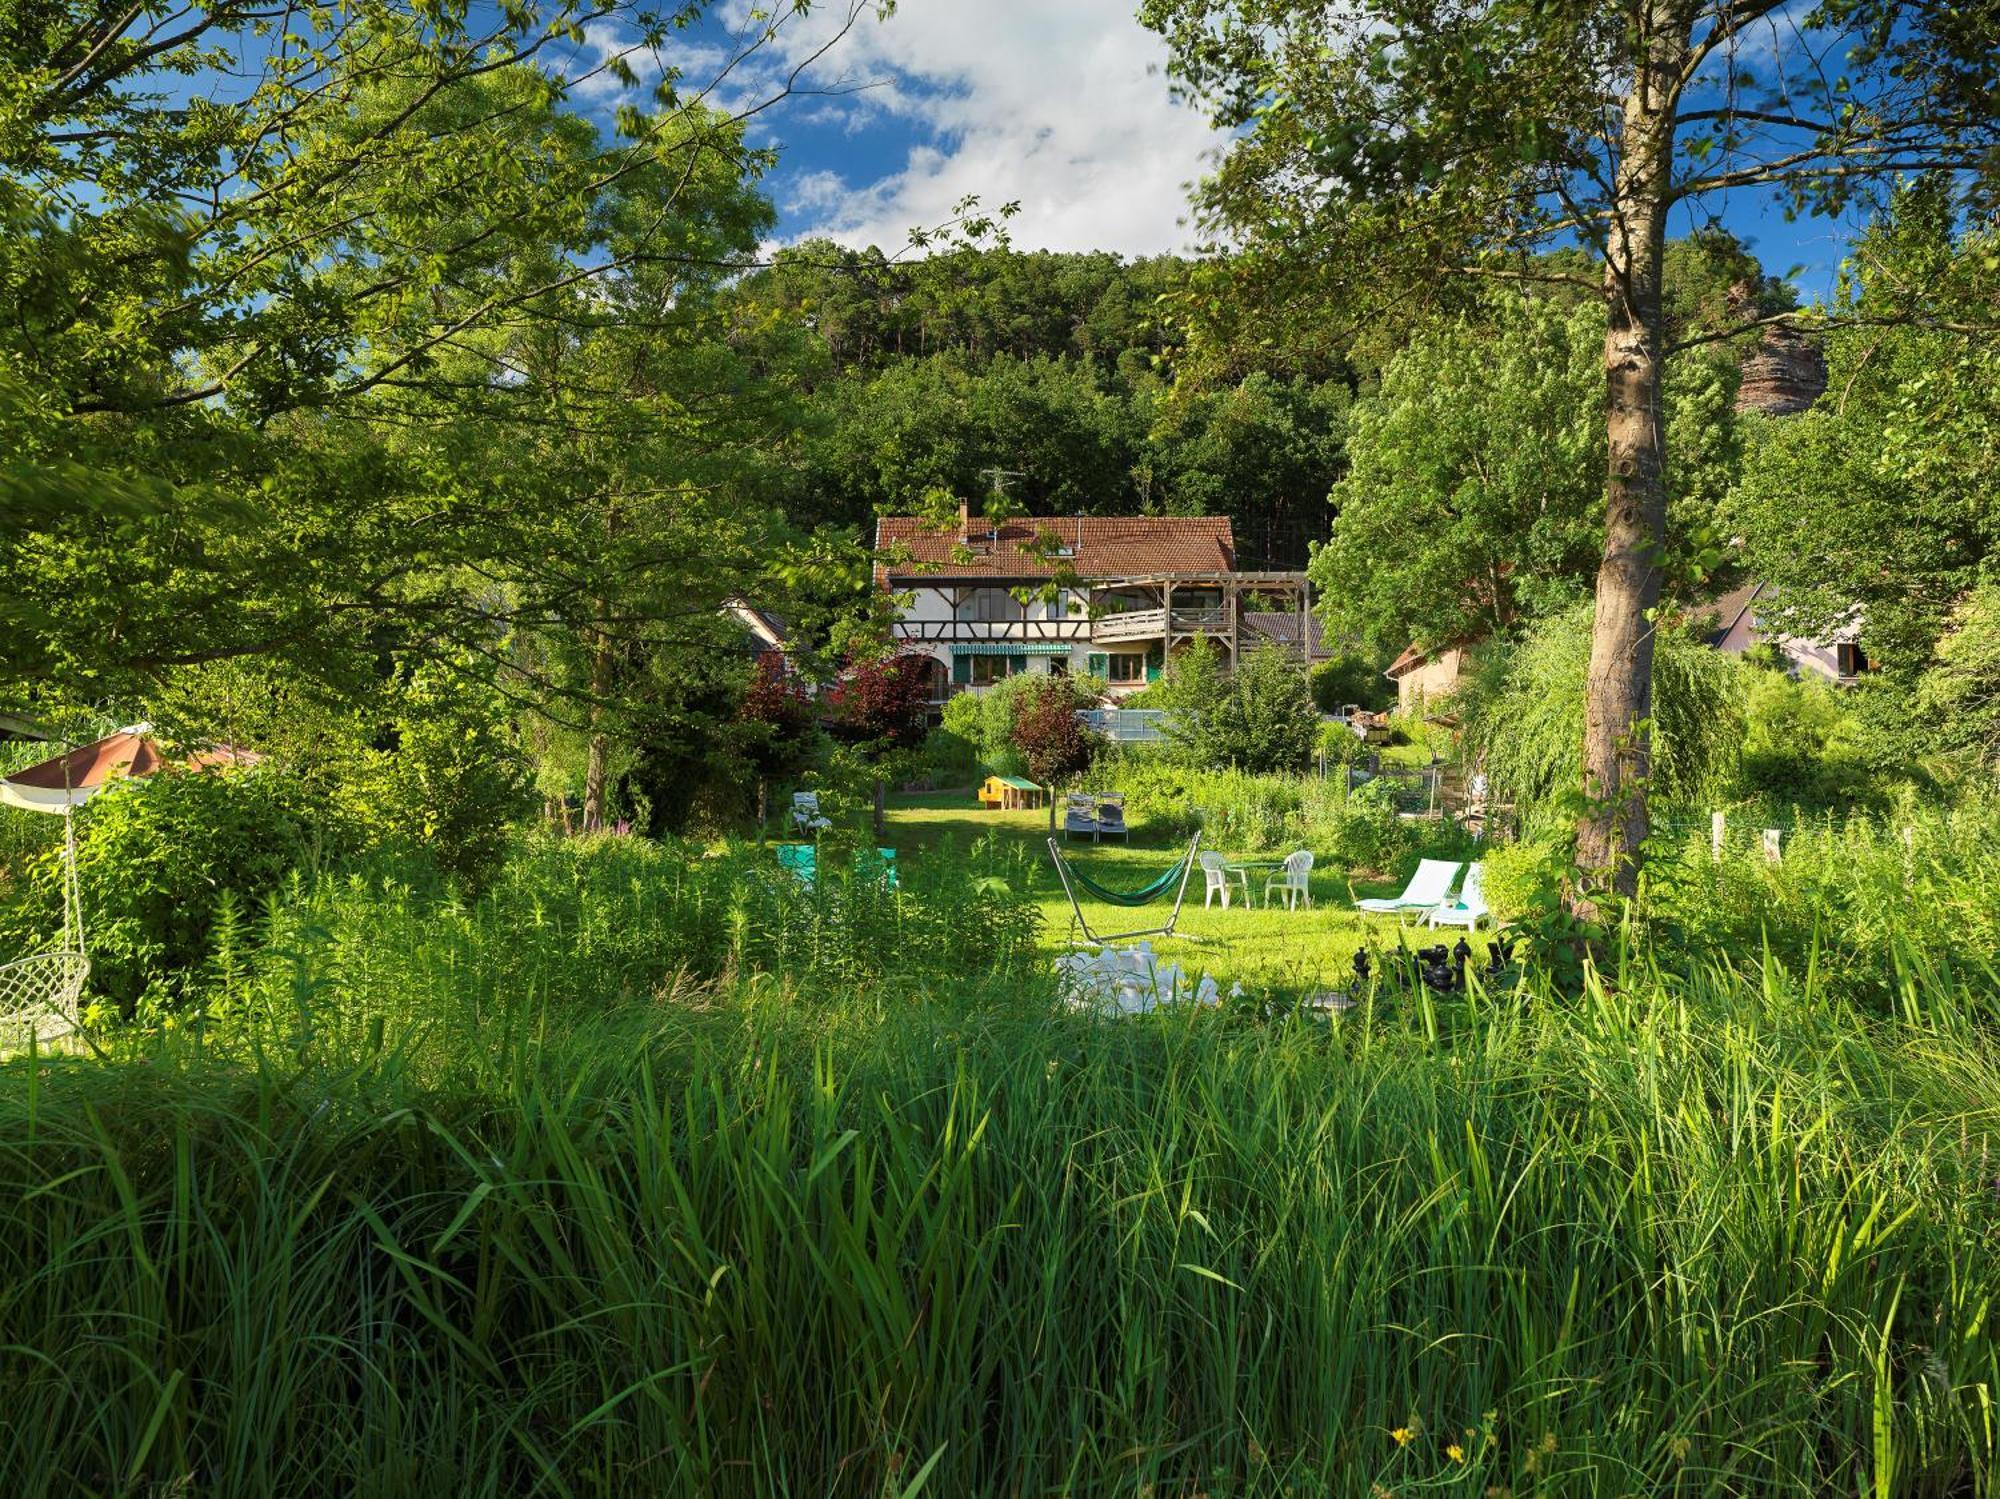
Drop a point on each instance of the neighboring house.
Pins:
(766, 631)
(1425, 676)
(1747, 617)
(1132, 590)
(1743, 618)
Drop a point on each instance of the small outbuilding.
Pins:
(1010, 794)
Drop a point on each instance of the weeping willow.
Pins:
(1523, 717)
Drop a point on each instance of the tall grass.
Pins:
(902, 1231)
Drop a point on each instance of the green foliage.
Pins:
(1880, 498)
(1960, 693)
(928, 372)
(1520, 879)
(1352, 679)
(1259, 717)
(1802, 743)
(1879, 908)
(1474, 496)
(156, 859)
(452, 784)
(984, 720)
(440, 1088)
(1523, 719)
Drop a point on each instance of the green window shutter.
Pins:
(1155, 656)
(1098, 664)
(1152, 671)
(961, 669)
(1016, 665)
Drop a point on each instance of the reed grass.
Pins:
(578, 1190)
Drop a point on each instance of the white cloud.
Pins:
(1060, 105)
(594, 85)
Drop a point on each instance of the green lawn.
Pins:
(1296, 950)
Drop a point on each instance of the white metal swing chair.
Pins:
(40, 995)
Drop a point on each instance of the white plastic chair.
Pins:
(1291, 883)
(1470, 907)
(1429, 887)
(805, 813)
(1215, 871)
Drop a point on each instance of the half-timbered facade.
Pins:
(1108, 596)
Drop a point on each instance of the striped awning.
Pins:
(1013, 648)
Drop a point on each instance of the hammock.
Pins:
(1175, 880)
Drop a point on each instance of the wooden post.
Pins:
(1772, 836)
(1717, 824)
(881, 818)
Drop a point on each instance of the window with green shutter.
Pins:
(961, 669)
(1097, 664)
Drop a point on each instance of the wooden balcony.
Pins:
(1151, 624)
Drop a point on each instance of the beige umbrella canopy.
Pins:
(73, 778)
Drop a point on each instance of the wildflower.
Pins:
(1680, 1447)
(1455, 1452)
(1402, 1436)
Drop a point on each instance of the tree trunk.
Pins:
(1618, 701)
(595, 772)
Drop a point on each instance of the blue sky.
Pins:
(1060, 104)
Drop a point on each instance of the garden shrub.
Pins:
(156, 858)
(1520, 879)
(1259, 717)
(1350, 680)
(882, 704)
(1801, 743)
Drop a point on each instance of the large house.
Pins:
(1124, 593)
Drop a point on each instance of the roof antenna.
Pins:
(997, 479)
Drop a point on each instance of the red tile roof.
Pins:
(1100, 546)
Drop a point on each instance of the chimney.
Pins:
(964, 520)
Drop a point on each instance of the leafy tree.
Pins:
(1523, 712)
(1262, 452)
(1048, 733)
(1259, 717)
(777, 717)
(1474, 498)
(1879, 501)
(882, 704)
(1353, 679)
(208, 286)
(1385, 150)
(1960, 695)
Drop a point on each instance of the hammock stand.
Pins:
(1175, 879)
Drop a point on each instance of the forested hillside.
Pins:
(926, 374)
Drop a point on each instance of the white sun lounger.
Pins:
(1429, 888)
(1470, 908)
